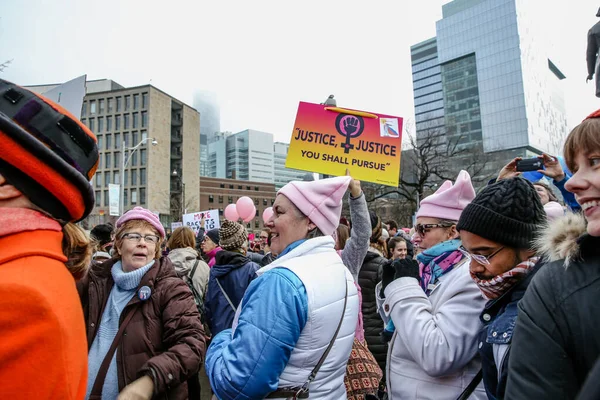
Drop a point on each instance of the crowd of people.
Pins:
(490, 295)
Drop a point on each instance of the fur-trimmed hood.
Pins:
(561, 238)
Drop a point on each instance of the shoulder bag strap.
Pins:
(101, 376)
(471, 387)
(194, 269)
(225, 294)
(313, 374)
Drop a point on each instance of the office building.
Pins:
(218, 193)
(135, 116)
(488, 83)
(283, 175)
(207, 104)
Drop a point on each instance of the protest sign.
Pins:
(329, 140)
(175, 225)
(193, 220)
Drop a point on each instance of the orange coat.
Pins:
(43, 347)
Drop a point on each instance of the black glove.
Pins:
(589, 78)
(406, 268)
(387, 276)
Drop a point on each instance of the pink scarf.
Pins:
(17, 220)
(212, 254)
(500, 284)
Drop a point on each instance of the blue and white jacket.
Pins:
(287, 319)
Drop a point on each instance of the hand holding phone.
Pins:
(530, 164)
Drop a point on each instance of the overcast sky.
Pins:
(260, 57)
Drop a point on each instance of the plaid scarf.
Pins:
(500, 284)
(437, 261)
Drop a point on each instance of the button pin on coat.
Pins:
(144, 293)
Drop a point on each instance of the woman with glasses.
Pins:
(432, 305)
(144, 333)
(502, 265)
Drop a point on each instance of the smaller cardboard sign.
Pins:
(193, 220)
(175, 225)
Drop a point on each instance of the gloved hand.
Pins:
(406, 268)
(387, 276)
(589, 78)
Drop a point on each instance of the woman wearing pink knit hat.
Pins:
(432, 306)
(145, 338)
(294, 329)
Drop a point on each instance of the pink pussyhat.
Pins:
(145, 215)
(449, 200)
(320, 201)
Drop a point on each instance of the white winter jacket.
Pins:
(433, 352)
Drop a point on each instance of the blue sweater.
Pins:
(122, 292)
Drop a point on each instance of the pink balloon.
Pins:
(250, 218)
(231, 213)
(245, 207)
(267, 214)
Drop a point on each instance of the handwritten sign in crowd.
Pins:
(193, 220)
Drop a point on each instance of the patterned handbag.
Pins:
(362, 372)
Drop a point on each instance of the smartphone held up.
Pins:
(530, 164)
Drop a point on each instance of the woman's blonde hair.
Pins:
(585, 137)
(181, 238)
(78, 249)
(135, 224)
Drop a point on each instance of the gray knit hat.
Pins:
(508, 212)
(232, 235)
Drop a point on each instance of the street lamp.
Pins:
(182, 196)
(124, 163)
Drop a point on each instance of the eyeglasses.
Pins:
(483, 260)
(136, 237)
(422, 229)
(263, 237)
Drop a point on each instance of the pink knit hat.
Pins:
(449, 200)
(553, 210)
(320, 201)
(143, 214)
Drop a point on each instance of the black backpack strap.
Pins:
(471, 387)
(194, 269)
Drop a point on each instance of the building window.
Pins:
(222, 185)
(144, 135)
(107, 178)
(116, 178)
(126, 121)
(133, 177)
(142, 195)
(106, 198)
(125, 178)
(134, 138)
(211, 198)
(98, 197)
(108, 141)
(91, 125)
(92, 107)
(99, 179)
(230, 186)
(142, 176)
(117, 122)
(230, 199)
(107, 160)
(248, 188)
(101, 106)
(220, 199)
(264, 202)
(127, 103)
(134, 159)
(144, 100)
(125, 196)
(110, 102)
(133, 196)
(100, 161)
(100, 124)
(256, 224)
(126, 139)
(272, 201)
(256, 188)
(136, 102)
(84, 109)
(119, 104)
(240, 187)
(256, 213)
(143, 157)
(255, 202)
(144, 119)
(109, 120)
(100, 141)
(135, 120)
(117, 141)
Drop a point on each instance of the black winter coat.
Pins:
(556, 340)
(368, 277)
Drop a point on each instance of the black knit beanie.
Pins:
(508, 212)
(213, 234)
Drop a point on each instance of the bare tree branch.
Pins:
(5, 65)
